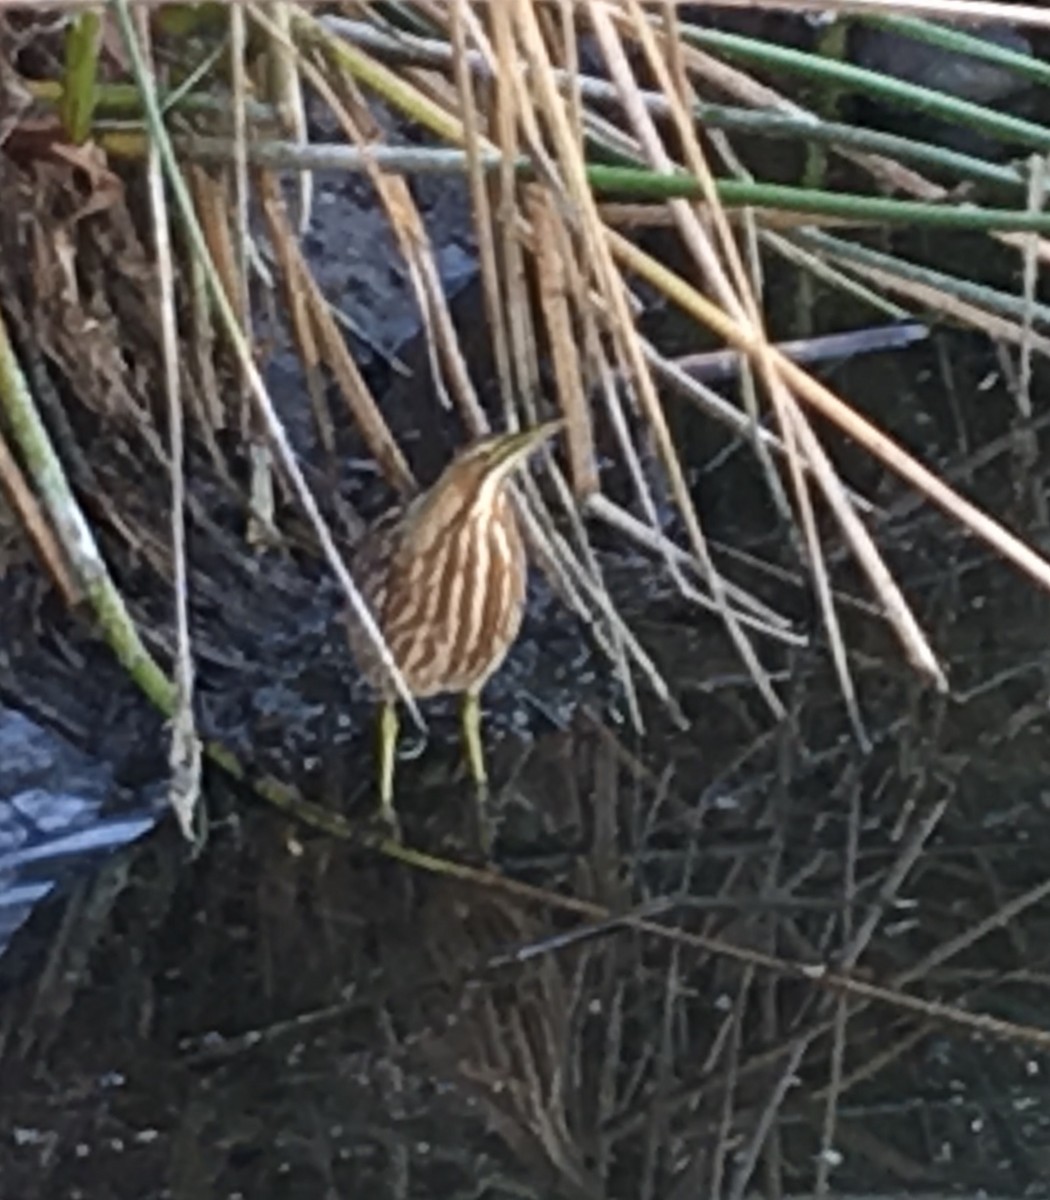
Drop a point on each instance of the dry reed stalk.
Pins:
(304, 295)
(27, 509)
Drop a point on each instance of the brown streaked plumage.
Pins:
(445, 579)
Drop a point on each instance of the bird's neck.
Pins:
(454, 507)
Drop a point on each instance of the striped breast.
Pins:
(454, 598)
(369, 565)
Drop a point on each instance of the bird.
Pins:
(445, 577)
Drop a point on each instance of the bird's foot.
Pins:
(484, 830)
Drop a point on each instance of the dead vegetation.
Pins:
(725, 941)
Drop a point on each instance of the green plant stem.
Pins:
(125, 100)
(761, 123)
(905, 95)
(79, 82)
(958, 42)
(42, 463)
(119, 99)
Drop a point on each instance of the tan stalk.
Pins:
(553, 255)
(513, 115)
(301, 300)
(448, 366)
(824, 401)
(261, 520)
(286, 90)
(610, 285)
(480, 199)
(298, 279)
(791, 422)
(26, 507)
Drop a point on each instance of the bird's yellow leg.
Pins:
(388, 725)
(476, 762)
(472, 739)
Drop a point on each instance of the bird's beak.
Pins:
(516, 446)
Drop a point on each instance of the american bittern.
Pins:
(445, 579)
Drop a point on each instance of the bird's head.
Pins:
(484, 466)
(473, 481)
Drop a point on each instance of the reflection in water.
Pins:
(282, 1017)
(54, 801)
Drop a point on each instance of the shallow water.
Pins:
(283, 1017)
